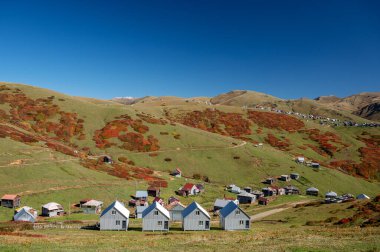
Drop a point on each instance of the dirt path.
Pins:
(281, 208)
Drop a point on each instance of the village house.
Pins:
(154, 191)
(233, 218)
(139, 210)
(278, 190)
(11, 200)
(269, 191)
(52, 209)
(332, 197)
(248, 189)
(115, 217)
(107, 159)
(291, 190)
(269, 181)
(263, 201)
(246, 198)
(234, 189)
(195, 217)
(25, 213)
(176, 173)
(220, 203)
(285, 178)
(314, 165)
(362, 196)
(294, 176)
(175, 210)
(258, 193)
(300, 160)
(155, 218)
(92, 207)
(83, 201)
(141, 195)
(188, 189)
(200, 187)
(312, 191)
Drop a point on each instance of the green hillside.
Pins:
(50, 142)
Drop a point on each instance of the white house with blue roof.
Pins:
(233, 218)
(155, 218)
(115, 217)
(195, 217)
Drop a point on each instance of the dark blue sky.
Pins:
(103, 49)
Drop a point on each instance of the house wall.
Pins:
(150, 221)
(108, 221)
(245, 200)
(11, 203)
(176, 213)
(191, 222)
(232, 221)
(90, 210)
(46, 212)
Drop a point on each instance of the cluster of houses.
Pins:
(333, 197)
(247, 195)
(301, 160)
(322, 120)
(156, 217)
(51, 209)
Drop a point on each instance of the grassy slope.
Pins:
(67, 182)
(199, 151)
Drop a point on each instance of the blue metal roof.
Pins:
(192, 207)
(229, 208)
(157, 206)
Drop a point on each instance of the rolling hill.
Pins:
(52, 146)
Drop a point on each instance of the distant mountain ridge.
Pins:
(364, 105)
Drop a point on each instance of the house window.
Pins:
(197, 213)
(200, 223)
(117, 223)
(241, 222)
(237, 212)
(155, 212)
(159, 223)
(113, 212)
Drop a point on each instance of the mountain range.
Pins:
(365, 105)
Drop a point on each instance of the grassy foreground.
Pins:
(262, 237)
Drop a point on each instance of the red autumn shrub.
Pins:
(213, 120)
(277, 143)
(275, 121)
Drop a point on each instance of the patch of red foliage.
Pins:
(275, 121)
(367, 214)
(277, 143)
(369, 167)
(150, 119)
(16, 135)
(133, 141)
(124, 171)
(39, 115)
(324, 140)
(213, 120)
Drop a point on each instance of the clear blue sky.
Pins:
(103, 49)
